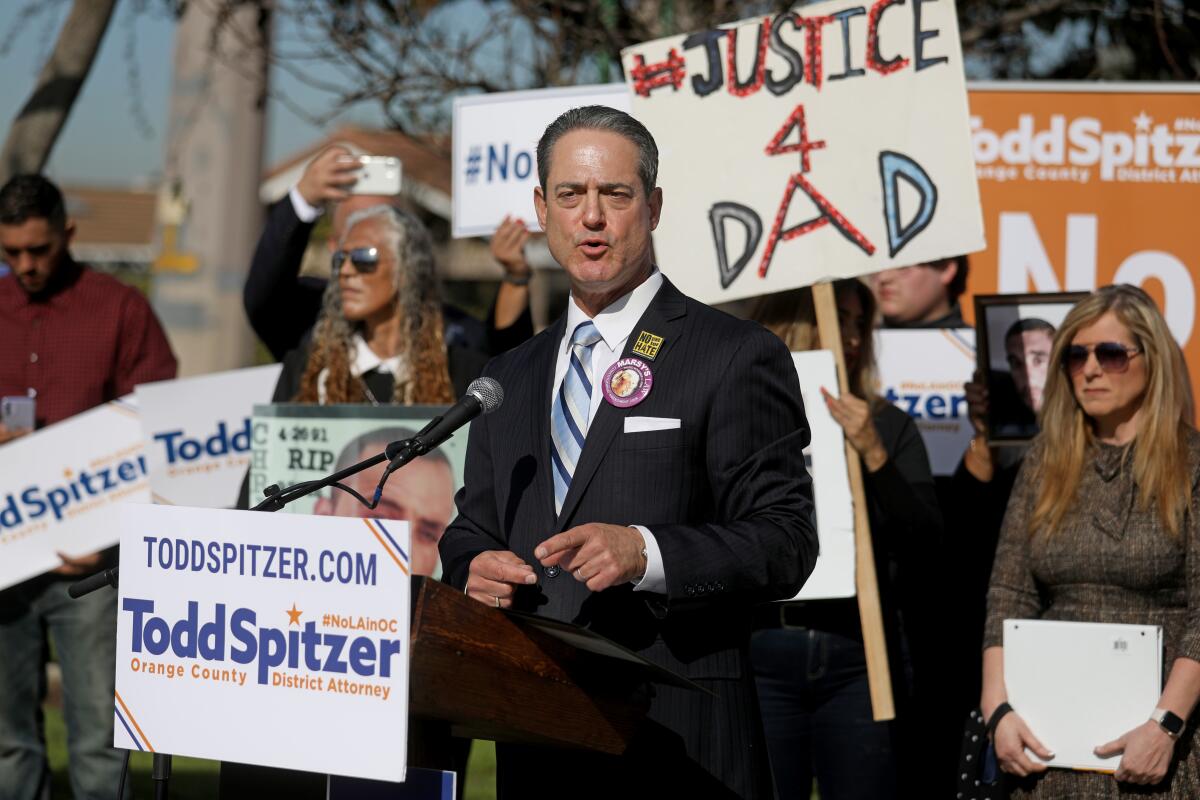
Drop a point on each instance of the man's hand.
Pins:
(1147, 751)
(7, 435)
(78, 565)
(596, 554)
(508, 247)
(494, 576)
(328, 177)
(854, 415)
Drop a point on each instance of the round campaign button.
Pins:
(627, 382)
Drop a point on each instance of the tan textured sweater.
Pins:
(1109, 561)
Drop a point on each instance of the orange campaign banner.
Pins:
(1087, 184)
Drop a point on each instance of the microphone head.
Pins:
(488, 392)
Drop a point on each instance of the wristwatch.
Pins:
(1171, 723)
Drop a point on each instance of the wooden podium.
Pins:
(482, 673)
(492, 674)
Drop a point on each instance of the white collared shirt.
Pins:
(615, 323)
(363, 360)
(305, 211)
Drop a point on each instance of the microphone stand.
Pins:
(275, 500)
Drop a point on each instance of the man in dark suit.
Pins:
(643, 478)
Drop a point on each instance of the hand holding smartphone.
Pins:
(16, 417)
(378, 175)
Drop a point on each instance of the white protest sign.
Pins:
(197, 434)
(922, 372)
(495, 150)
(57, 486)
(822, 143)
(825, 456)
(267, 639)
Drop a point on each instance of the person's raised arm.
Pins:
(510, 323)
(280, 305)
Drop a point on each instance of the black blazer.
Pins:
(726, 495)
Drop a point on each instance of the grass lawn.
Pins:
(196, 779)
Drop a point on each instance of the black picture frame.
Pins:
(1014, 394)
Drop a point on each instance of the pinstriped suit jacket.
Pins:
(726, 495)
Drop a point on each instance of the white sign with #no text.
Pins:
(495, 150)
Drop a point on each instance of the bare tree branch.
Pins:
(37, 125)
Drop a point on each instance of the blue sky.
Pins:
(104, 141)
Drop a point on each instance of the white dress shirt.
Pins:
(304, 211)
(363, 360)
(614, 323)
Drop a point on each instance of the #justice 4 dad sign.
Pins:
(270, 639)
(822, 143)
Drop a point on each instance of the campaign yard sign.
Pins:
(197, 433)
(1089, 183)
(495, 150)
(58, 484)
(266, 639)
(826, 142)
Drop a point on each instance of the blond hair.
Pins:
(792, 317)
(1160, 461)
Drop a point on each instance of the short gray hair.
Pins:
(601, 118)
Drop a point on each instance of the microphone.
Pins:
(91, 583)
(483, 396)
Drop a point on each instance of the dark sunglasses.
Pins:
(1111, 356)
(364, 259)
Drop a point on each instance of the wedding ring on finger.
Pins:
(497, 599)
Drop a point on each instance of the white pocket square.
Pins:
(644, 424)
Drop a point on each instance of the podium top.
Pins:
(591, 642)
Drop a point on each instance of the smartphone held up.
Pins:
(378, 175)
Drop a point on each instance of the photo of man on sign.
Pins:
(421, 494)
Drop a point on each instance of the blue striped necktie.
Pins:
(569, 415)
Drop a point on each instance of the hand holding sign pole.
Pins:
(870, 613)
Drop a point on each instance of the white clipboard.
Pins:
(1079, 685)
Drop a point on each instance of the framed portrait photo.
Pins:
(1014, 335)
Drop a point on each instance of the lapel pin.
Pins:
(647, 345)
(627, 382)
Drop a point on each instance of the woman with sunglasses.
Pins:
(1103, 526)
(378, 338)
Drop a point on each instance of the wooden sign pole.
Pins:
(869, 612)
